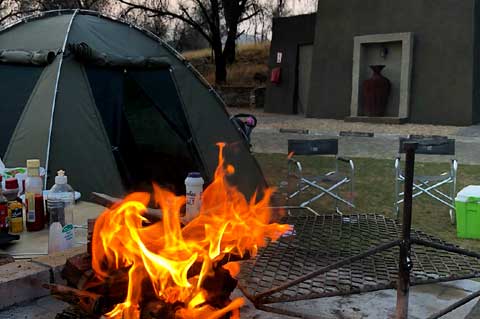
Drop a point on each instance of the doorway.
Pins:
(304, 66)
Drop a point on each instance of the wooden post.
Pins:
(404, 267)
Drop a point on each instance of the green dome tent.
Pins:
(111, 104)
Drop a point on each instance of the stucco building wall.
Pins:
(442, 79)
(288, 34)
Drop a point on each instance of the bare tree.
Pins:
(212, 19)
(10, 10)
(44, 5)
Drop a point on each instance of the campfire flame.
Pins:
(163, 253)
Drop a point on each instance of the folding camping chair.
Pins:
(324, 184)
(429, 185)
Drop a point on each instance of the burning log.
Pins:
(89, 302)
(152, 214)
(78, 270)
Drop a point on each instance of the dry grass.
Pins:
(197, 54)
(251, 59)
(239, 74)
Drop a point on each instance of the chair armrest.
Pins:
(347, 161)
(454, 167)
(397, 162)
(295, 163)
(343, 159)
(454, 164)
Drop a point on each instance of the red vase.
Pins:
(376, 92)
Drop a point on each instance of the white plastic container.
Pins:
(194, 190)
(60, 205)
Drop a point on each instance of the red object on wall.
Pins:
(276, 75)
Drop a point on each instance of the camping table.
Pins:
(33, 244)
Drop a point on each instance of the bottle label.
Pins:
(68, 235)
(30, 197)
(193, 204)
(15, 212)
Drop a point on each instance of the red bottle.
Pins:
(38, 222)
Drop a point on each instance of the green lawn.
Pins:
(374, 184)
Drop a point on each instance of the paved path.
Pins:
(382, 146)
(270, 136)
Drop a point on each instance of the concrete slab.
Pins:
(22, 281)
(424, 301)
(475, 312)
(43, 308)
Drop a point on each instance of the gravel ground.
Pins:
(268, 138)
(289, 121)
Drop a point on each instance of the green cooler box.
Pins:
(467, 203)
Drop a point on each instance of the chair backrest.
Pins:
(313, 147)
(434, 145)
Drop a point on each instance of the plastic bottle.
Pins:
(33, 197)
(15, 206)
(194, 189)
(3, 211)
(60, 205)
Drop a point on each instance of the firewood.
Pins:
(90, 228)
(89, 302)
(219, 287)
(151, 214)
(158, 309)
(78, 270)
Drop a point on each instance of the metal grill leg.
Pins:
(404, 267)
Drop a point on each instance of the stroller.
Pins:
(244, 123)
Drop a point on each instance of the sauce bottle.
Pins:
(33, 197)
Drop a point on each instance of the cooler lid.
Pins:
(468, 192)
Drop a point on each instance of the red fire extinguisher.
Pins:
(275, 76)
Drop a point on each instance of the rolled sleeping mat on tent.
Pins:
(86, 54)
(39, 58)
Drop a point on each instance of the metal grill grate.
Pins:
(319, 241)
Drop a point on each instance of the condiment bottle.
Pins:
(15, 206)
(194, 189)
(3, 211)
(33, 196)
(60, 205)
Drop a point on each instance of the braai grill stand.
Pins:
(325, 256)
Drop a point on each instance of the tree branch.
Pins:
(167, 13)
(249, 16)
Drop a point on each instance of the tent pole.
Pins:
(54, 101)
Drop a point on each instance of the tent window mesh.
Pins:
(163, 152)
(148, 144)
